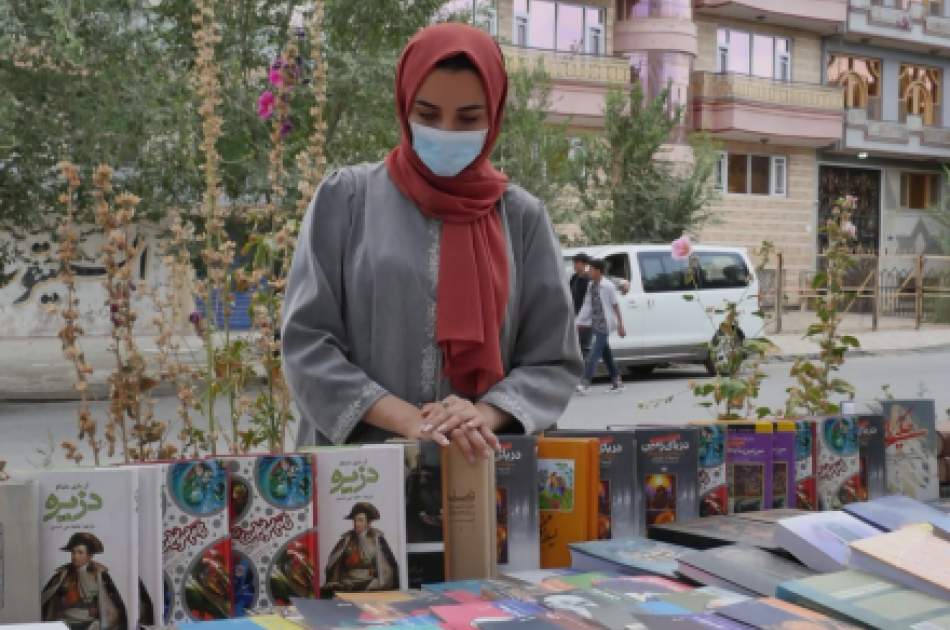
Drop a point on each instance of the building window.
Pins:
(758, 55)
(920, 93)
(596, 42)
(861, 80)
(743, 174)
(720, 176)
(521, 23)
(779, 175)
(919, 191)
(637, 9)
(563, 26)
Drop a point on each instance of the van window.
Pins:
(722, 270)
(617, 266)
(661, 273)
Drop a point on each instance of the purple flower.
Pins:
(286, 127)
(195, 318)
(275, 77)
(265, 105)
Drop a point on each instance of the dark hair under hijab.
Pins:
(457, 63)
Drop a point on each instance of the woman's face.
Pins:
(451, 100)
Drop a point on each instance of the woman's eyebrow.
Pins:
(424, 103)
(471, 108)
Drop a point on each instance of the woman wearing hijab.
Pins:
(426, 297)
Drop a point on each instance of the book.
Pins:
(871, 452)
(914, 556)
(632, 556)
(839, 465)
(821, 540)
(424, 542)
(469, 522)
(772, 516)
(867, 600)
(425, 567)
(88, 526)
(516, 503)
(599, 607)
(770, 613)
(911, 449)
(716, 531)
(196, 541)
(704, 599)
(19, 549)
(783, 464)
(806, 464)
(642, 588)
(684, 622)
(361, 507)
(618, 462)
(749, 466)
(667, 472)
(329, 614)
(568, 478)
(741, 568)
(713, 489)
(470, 615)
(151, 579)
(273, 530)
(895, 511)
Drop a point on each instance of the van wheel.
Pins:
(640, 371)
(719, 351)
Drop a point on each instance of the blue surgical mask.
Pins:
(447, 153)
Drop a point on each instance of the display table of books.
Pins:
(818, 522)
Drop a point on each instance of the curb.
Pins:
(814, 356)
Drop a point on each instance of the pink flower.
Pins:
(275, 77)
(850, 230)
(850, 201)
(682, 248)
(265, 105)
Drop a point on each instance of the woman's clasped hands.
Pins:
(471, 426)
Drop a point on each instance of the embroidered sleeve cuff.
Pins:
(512, 406)
(353, 414)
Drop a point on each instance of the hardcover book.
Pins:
(806, 464)
(19, 549)
(700, 621)
(196, 541)
(516, 503)
(747, 570)
(912, 445)
(470, 518)
(839, 465)
(895, 511)
(867, 600)
(871, 451)
(914, 556)
(716, 531)
(713, 489)
(426, 550)
(631, 556)
(568, 478)
(273, 530)
(88, 537)
(749, 466)
(618, 461)
(361, 518)
(667, 470)
(821, 540)
(783, 464)
(768, 613)
(151, 578)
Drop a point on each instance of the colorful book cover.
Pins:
(749, 466)
(88, 539)
(426, 550)
(568, 478)
(196, 542)
(273, 530)
(697, 600)
(629, 556)
(641, 588)
(699, 621)
(912, 445)
(769, 613)
(783, 465)
(516, 503)
(806, 464)
(667, 471)
(19, 549)
(361, 518)
(606, 609)
(713, 489)
(871, 450)
(151, 580)
(839, 464)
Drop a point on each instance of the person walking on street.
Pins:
(579, 282)
(601, 311)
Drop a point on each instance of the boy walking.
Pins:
(601, 311)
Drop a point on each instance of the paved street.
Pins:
(25, 426)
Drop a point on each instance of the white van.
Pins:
(662, 326)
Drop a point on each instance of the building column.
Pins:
(890, 85)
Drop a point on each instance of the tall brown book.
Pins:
(468, 497)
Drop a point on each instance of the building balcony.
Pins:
(915, 25)
(819, 16)
(752, 109)
(885, 137)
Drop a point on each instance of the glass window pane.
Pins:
(722, 271)
(722, 36)
(660, 272)
(781, 45)
(738, 173)
(760, 175)
(570, 28)
(762, 55)
(541, 24)
(595, 17)
(738, 52)
(521, 6)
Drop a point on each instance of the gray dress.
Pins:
(360, 311)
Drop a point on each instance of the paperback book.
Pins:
(806, 464)
(871, 449)
(151, 580)
(895, 511)
(914, 556)
(769, 612)
(631, 556)
(783, 465)
(470, 519)
(911, 448)
(839, 465)
(749, 466)
(741, 568)
(716, 531)
(713, 489)
(667, 472)
(516, 503)
(19, 549)
(821, 540)
(424, 513)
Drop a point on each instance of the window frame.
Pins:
(932, 196)
(522, 18)
(663, 256)
(775, 190)
(779, 59)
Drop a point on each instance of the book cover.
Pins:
(783, 464)
(569, 582)
(470, 520)
(713, 489)
(867, 600)
(196, 541)
(516, 503)
(667, 473)
(151, 579)
(425, 547)
(599, 607)
(632, 556)
(88, 537)
(806, 464)
(618, 461)
(568, 479)
(820, 540)
(772, 516)
(871, 450)
(839, 464)
(749, 466)
(700, 621)
(273, 530)
(19, 549)
(471, 615)
(911, 441)
(642, 588)
(715, 531)
(895, 511)
(774, 614)
(741, 568)
(704, 599)
(361, 518)
(913, 556)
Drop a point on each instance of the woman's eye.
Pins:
(469, 120)
(428, 116)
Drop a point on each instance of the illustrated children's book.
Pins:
(912, 445)
(19, 549)
(516, 503)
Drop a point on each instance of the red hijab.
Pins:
(473, 266)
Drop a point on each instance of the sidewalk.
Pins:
(34, 368)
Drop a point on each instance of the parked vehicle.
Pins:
(662, 326)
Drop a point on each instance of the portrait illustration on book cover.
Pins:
(361, 560)
(80, 593)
